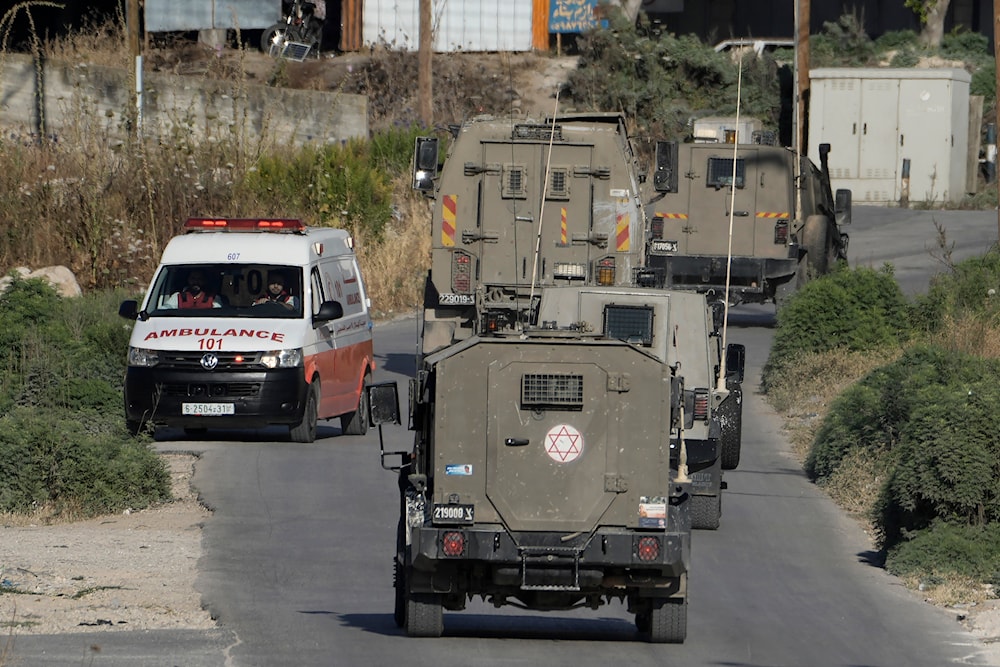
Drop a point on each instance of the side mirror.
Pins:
(328, 311)
(425, 163)
(383, 403)
(736, 356)
(842, 207)
(665, 174)
(129, 309)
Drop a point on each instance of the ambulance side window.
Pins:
(317, 290)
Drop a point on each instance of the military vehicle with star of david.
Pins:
(549, 467)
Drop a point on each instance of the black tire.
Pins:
(424, 615)
(706, 512)
(356, 423)
(731, 421)
(305, 431)
(134, 426)
(643, 621)
(267, 37)
(399, 583)
(817, 242)
(668, 622)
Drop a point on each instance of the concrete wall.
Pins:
(172, 103)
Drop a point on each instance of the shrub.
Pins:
(949, 549)
(853, 309)
(965, 289)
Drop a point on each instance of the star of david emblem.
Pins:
(563, 443)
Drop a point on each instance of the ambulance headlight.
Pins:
(138, 356)
(282, 358)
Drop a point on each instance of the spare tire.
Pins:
(816, 241)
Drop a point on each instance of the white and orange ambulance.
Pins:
(249, 323)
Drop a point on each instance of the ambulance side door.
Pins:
(321, 348)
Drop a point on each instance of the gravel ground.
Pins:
(134, 571)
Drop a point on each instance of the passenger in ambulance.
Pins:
(195, 295)
(277, 292)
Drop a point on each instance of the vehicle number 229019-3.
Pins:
(454, 514)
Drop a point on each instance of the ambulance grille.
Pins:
(211, 390)
(552, 390)
(226, 360)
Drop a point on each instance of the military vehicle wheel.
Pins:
(731, 418)
(356, 423)
(306, 429)
(643, 619)
(816, 239)
(399, 609)
(706, 512)
(668, 622)
(424, 615)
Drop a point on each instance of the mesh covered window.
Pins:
(514, 186)
(720, 172)
(629, 323)
(552, 390)
(558, 183)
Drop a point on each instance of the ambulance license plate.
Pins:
(208, 409)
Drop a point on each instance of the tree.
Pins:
(931, 14)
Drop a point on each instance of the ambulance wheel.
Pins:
(424, 615)
(668, 622)
(306, 429)
(356, 423)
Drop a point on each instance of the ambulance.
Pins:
(249, 323)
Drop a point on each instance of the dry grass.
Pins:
(970, 334)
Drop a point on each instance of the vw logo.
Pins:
(209, 361)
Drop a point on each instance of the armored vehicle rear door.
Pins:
(509, 210)
(711, 174)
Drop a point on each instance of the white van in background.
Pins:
(249, 323)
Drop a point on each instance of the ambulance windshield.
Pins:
(227, 290)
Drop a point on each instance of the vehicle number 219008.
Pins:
(454, 514)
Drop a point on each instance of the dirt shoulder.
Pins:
(133, 571)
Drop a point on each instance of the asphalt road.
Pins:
(297, 555)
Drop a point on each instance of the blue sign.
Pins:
(574, 16)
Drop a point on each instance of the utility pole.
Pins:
(996, 56)
(424, 73)
(132, 27)
(802, 75)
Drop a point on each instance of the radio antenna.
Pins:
(729, 252)
(541, 205)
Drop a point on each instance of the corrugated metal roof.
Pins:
(459, 25)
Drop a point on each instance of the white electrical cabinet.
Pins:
(875, 118)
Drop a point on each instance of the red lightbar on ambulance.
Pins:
(245, 224)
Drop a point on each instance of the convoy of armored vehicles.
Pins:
(572, 417)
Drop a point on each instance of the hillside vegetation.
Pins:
(908, 443)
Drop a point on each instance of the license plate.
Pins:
(463, 514)
(659, 245)
(451, 299)
(208, 409)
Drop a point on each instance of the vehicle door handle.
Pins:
(516, 442)
(739, 214)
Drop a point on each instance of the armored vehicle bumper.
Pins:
(751, 280)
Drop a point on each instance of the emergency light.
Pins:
(244, 224)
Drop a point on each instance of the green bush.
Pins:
(948, 456)
(662, 80)
(338, 184)
(965, 289)
(853, 309)
(949, 549)
(63, 444)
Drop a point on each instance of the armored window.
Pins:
(552, 390)
(514, 185)
(720, 172)
(558, 183)
(633, 324)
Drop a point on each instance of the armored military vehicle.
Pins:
(771, 211)
(549, 468)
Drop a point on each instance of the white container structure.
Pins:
(875, 118)
(471, 25)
